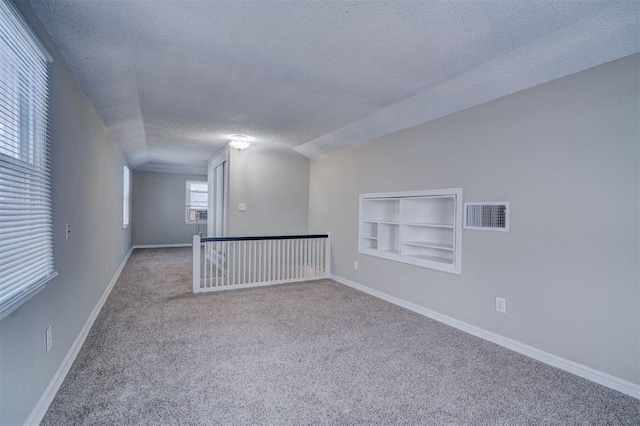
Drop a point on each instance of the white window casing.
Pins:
(196, 201)
(26, 224)
(126, 195)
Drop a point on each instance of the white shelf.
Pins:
(382, 222)
(389, 251)
(381, 210)
(429, 244)
(418, 227)
(431, 258)
(431, 225)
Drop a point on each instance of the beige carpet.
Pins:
(308, 353)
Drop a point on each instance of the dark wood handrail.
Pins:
(276, 237)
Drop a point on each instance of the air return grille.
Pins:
(492, 216)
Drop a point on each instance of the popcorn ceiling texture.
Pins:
(301, 354)
(173, 78)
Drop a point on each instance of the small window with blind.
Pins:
(126, 195)
(197, 201)
(26, 245)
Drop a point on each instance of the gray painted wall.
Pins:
(566, 154)
(87, 193)
(274, 184)
(159, 209)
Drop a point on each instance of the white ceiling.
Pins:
(172, 79)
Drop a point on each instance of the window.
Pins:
(26, 231)
(197, 201)
(126, 195)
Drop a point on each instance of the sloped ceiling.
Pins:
(172, 79)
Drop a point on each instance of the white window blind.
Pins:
(197, 201)
(26, 246)
(126, 179)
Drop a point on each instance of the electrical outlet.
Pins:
(122, 249)
(67, 231)
(242, 207)
(106, 266)
(355, 265)
(49, 339)
(501, 305)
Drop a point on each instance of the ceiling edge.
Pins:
(172, 169)
(581, 46)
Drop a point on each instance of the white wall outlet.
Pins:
(501, 305)
(67, 231)
(106, 266)
(355, 265)
(49, 339)
(242, 207)
(122, 249)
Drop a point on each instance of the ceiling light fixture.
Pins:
(239, 142)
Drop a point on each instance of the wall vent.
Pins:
(487, 216)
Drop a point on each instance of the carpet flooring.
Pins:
(306, 353)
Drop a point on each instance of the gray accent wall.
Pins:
(159, 209)
(566, 155)
(87, 179)
(274, 184)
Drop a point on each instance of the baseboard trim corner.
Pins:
(583, 371)
(38, 412)
(145, 246)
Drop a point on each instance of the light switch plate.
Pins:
(242, 207)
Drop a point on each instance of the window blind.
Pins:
(126, 179)
(26, 246)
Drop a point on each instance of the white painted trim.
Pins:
(144, 246)
(195, 280)
(38, 412)
(583, 371)
(219, 157)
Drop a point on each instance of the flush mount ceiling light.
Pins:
(239, 142)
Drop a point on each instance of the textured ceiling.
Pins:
(172, 79)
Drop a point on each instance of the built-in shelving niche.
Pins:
(422, 228)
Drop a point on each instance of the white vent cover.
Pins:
(487, 216)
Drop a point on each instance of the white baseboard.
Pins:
(583, 371)
(37, 414)
(143, 246)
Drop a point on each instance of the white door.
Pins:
(219, 200)
(217, 178)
